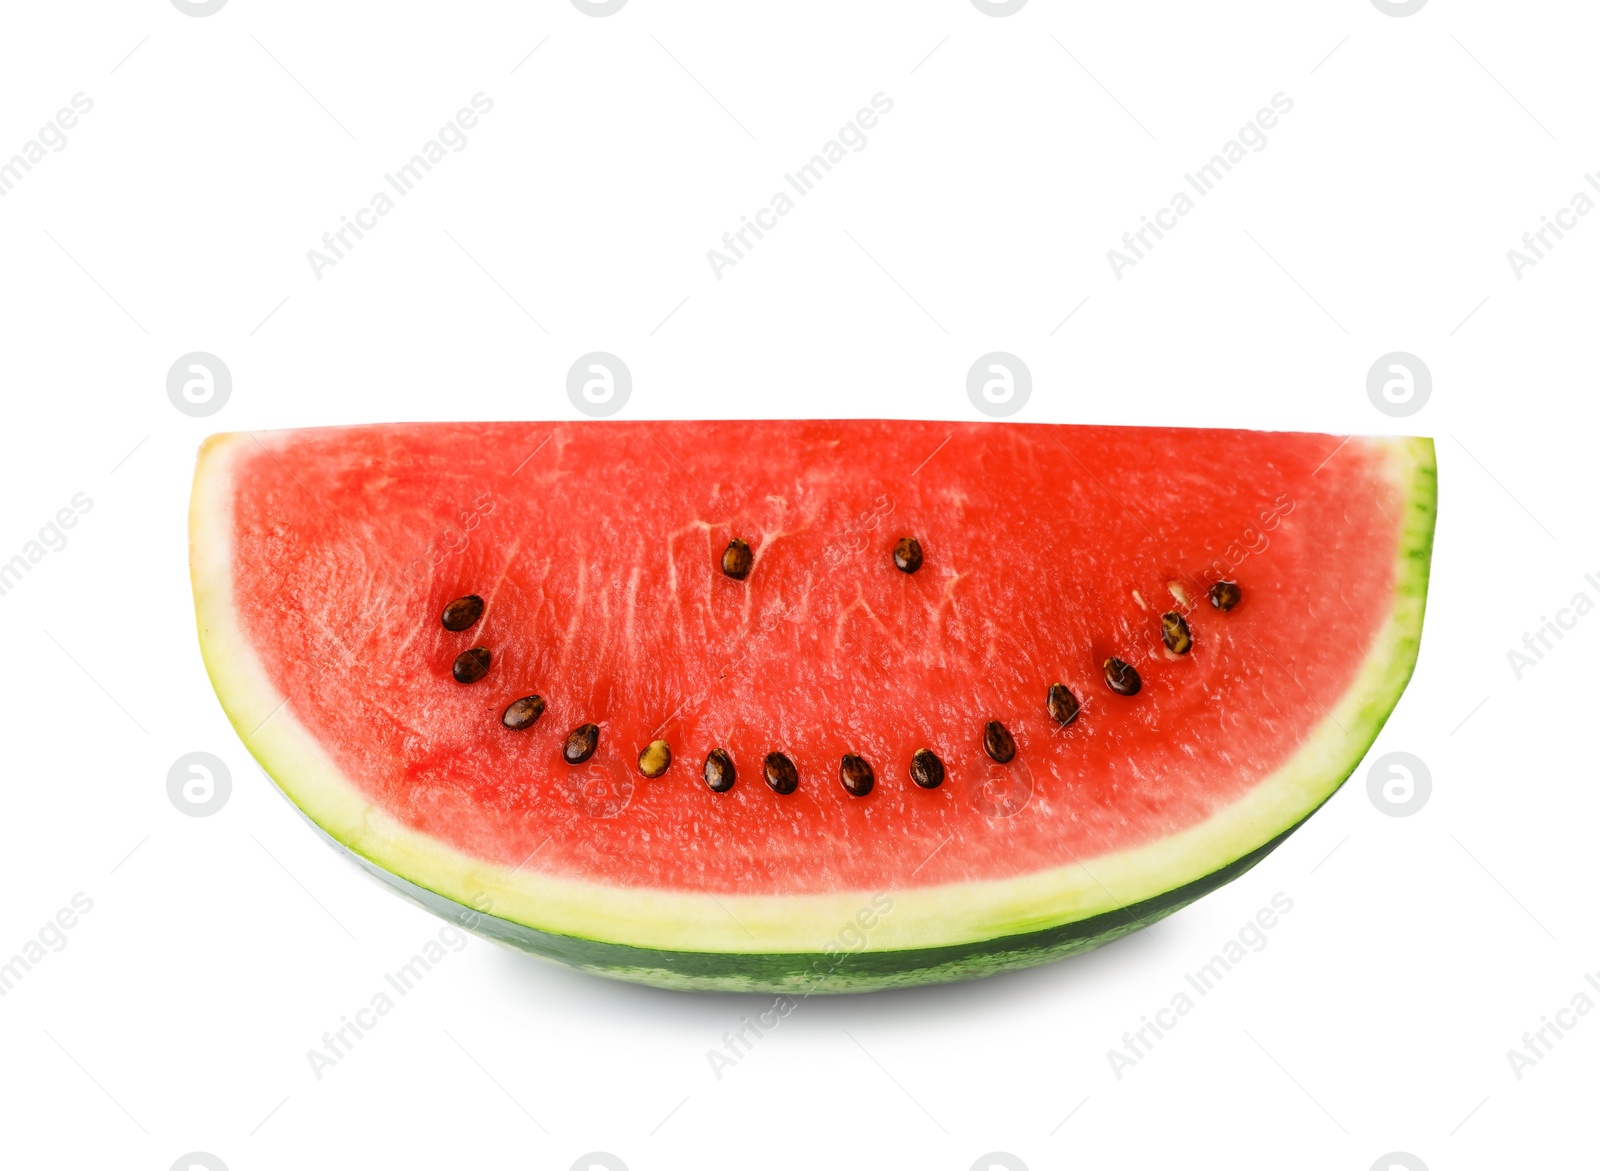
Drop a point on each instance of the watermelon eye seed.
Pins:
(1062, 704)
(523, 713)
(737, 559)
(719, 773)
(908, 555)
(470, 666)
(781, 774)
(927, 770)
(1175, 633)
(1225, 595)
(855, 774)
(653, 761)
(463, 613)
(997, 742)
(581, 743)
(1120, 677)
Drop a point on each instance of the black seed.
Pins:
(462, 613)
(927, 770)
(653, 761)
(1120, 677)
(719, 772)
(908, 554)
(581, 743)
(1225, 595)
(855, 774)
(1062, 704)
(470, 666)
(781, 774)
(997, 742)
(1175, 633)
(524, 713)
(737, 559)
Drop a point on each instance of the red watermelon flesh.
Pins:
(596, 548)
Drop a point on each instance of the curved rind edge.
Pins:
(684, 940)
(802, 974)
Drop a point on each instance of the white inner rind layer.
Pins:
(680, 920)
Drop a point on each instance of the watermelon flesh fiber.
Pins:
(323, 559)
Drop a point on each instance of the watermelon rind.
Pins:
(806, 943)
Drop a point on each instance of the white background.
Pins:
(177, 218)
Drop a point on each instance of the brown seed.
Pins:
(523, 713)
(1062, 704)
(718, 772)
(997, 742)
(462, 613)
(781, 774)
(908, 554)
(653, 761)
(1175, 633)
(1225, 595)
(927, 770)
(581, 743)
(855, 774)
(470, 666)
(1120, 677)
(737, 559)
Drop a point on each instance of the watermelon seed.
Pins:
(1175, 633)
(908, 555)
(470, 666)
(1225, 595)
(581, 743)
(997, 742)
(927, 770)
(1062, 704)
(523, 713)
(781, 774)
(719, 773)
(653, 761)
(737, 559)
(1120, 677)
(463, 613)
(855, 774)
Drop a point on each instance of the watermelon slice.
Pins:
(808, 706)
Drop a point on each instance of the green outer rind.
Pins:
(1014, 945)
(803, 974)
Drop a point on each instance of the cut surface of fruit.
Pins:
(1052, 563)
